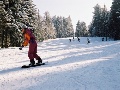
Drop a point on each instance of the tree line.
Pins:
(16, 13)
(104, 23)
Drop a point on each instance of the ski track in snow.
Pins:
(71, 66)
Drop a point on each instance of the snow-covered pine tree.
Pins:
(77, 33)
(99, 24)
(49, 30)
(57, 21)
(14, 14)
(96, 20)
(54, 21)
(70, 30)
(67, 27)
(39, 32)
(104, 22)
(81, 29)
(63, 26)
(114, 26)
(28, 13)
(5, 23)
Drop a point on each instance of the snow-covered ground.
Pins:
(71, 66)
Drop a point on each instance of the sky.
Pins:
(77, 9)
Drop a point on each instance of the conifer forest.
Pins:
(16, 13)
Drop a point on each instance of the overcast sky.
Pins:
(77, 9)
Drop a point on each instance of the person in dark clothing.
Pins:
(88, 41)
(78, 39)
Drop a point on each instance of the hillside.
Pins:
(71, 66)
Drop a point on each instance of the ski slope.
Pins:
(71, 66)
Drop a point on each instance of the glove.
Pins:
(21, 47)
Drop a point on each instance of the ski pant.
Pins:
(32, 53)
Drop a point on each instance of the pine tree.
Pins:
(114, 25)
(99, 24)
(49, 31)
(13, 15)
(63, 26)
(39, 31)
(58, 24)
(81, 29)
(5, 23)
(105, 22)
(96, 20)
(68, 27)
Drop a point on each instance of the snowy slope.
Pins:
(71, 66)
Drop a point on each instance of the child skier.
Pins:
(30, 38)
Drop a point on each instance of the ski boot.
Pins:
(32, 63)
(39, 60)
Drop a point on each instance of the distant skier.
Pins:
(70, 40)
(103, 39)
(30, 38)
(78, 39)
(88, 41)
